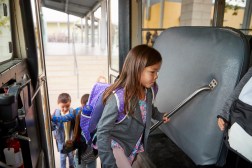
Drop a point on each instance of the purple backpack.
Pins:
(92, 112)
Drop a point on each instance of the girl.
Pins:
(118, 143)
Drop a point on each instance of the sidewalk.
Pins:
(64, 75)
(61, 49)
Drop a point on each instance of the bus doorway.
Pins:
(76, 53)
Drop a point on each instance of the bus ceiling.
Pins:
(78, 8)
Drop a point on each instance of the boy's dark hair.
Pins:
(64, 98)
(84, 99)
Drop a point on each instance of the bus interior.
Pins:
(43, 54)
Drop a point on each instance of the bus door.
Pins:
(24, 129)
(113, 40)
(119, 39)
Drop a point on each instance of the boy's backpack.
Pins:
(89, 122)
(239, 135)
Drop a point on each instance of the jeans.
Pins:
(63, 160)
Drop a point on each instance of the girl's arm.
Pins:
(156, 114)
(159, 116)
(105, 125)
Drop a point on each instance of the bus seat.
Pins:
(192, 57)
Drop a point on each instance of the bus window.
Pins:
(5, 31)
(114, 35)
(36, 24)
(238, 15)
(160, 15)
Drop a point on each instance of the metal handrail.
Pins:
(76, 69)
(42, 82)
(210, 87)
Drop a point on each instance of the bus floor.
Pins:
(163, 153)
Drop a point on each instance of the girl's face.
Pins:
(150, 75)
(64, 107)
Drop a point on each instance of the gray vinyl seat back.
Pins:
(192, 57)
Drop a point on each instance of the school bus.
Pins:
(41, 57)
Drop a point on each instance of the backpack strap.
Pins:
(56, 113)
(55, 121)
(84, 122)
(119, 95)
(154, 90)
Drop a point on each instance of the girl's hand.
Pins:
(166, 119)
(222, 124)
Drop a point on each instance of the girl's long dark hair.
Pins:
(137, 59)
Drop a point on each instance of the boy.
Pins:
(78, 141)
(64, 129)
(81, 163)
